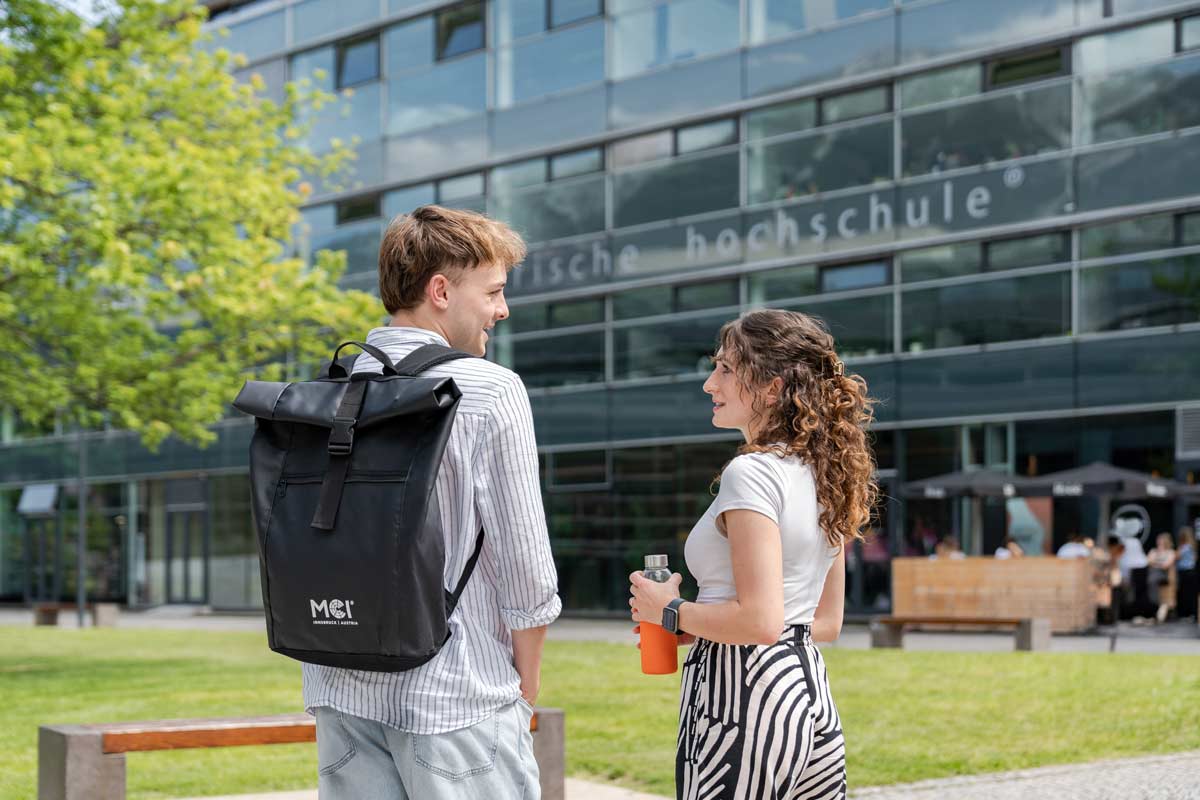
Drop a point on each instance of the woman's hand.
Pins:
(649, 598)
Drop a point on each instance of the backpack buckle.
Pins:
(341, 439)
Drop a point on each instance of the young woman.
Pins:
(757, 719)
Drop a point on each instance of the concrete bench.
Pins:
(87, 762)
(104, 615)
(1031, 633)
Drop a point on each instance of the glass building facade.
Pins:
(995, 206)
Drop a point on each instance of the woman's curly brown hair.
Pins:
(821, 414)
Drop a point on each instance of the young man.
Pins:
(458, 726)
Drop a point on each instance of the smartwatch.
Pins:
(670, 618)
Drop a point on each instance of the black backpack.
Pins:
(350, 542)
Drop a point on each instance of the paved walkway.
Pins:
(1177, 638)
(1174, 777)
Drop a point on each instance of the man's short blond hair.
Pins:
(432, 240)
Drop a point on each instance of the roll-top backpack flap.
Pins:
(258, 398)
(316, 402)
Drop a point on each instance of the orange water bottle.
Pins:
(660, 649)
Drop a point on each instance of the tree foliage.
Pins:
(147, 203)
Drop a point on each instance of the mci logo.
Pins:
(332, 612)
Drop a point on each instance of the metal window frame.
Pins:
(339, 52)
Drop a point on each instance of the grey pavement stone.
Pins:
(1170, 777)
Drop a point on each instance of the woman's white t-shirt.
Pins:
(783, 490)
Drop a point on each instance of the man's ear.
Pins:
(437, 291)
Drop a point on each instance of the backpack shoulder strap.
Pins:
(452, 600)
(426, 356)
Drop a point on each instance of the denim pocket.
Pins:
(462, 753)
(335, 746)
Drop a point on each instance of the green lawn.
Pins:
(907, 715)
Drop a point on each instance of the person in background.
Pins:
(1185, 566)
(1010, 549)
(1161, 560)
(1075, 548)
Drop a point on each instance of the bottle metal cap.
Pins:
(656, 562)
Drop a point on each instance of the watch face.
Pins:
(671, 620)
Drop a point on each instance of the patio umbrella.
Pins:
(1101, 479)
(975, 483)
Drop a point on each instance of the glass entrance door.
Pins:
(185, 556)
(44, 548)
(869, 562)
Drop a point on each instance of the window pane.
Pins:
(360, 240)
(860, 327)
(820, 163)
(641, 148)
(274, 77)
(1025, 68)
(522, 319)
(782, 284)
(642, 302)
(347, 117)
(560, 360)
(446, 93)
(578, 468)
(256, 37)
(553, 63)
(358, 62)
(315, 66)
(989, 129)
(786, 118)
(855, 276)
(666, 348)
(581, 162)
(409, 45)
(461, 186)
(517, 18)
(947, 261)
(551, 122)
(703, 137)
(579, 312)
(676, 189)
(673, 32)
(522, 173)
(1111, 51)
(1032, 251)
(843, 51)
(1189, 33)
(1141, 173)
(318, 18)
(1127, 236)
(697, 296)
(552, 211)
(564, 11)
(1190, 230)
(358, 208)
(402, 201)
(940, 29)
(951, 83)
(990, 311)
(1161, 97)
(460, 30)
(1139, 295)
(853, 105)
(770, 19)
(684, 90)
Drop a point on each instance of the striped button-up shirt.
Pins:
(488, 477)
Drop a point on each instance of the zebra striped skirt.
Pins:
(757, 722)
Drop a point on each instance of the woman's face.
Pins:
(1164, 541)
(732, 404)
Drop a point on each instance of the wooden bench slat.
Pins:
(131, 737)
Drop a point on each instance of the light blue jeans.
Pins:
(491, 760)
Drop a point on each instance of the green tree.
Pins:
(147, 203)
